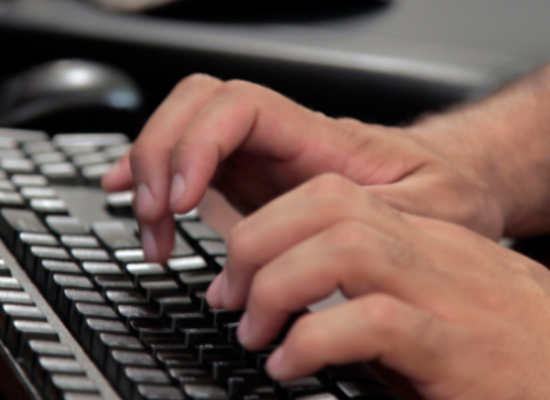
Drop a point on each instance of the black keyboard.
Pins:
(84, 317)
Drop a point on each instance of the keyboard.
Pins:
(84, 317)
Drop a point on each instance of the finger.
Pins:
(403, 337)
(349, 256)
(119, 178)
(292, 218)
(151, 153)
(157, 239)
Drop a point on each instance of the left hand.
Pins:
(458, 315)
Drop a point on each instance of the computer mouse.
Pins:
(68, 93)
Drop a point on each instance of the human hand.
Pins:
(460, 316)
(256, 144)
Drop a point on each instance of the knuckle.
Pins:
(381, 312)
(330, 186)
(235, 88)
(239, 242)
(400, 254)
(305, 334)
(263, 292)
(193, 80)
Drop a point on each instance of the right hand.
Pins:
(255, 144)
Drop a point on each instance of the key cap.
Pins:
(38, 253)
(93, 327)
(15, 297)
(72, 150)
(215, 352)
(48, 206)
(60, 173)
(38, 192)
(181, 248)
(194, 282)
(139, 270)
(61, 225)
(117, 360)
(120, 203)
(116, 235)
(101, 268)
(155, 287)
(89, 139)
(38, 147)
(199, 230)
(48, 366)
(9, 283)
(17, 166)
(79, 241)
(130, 377)
(177, 359)
(52, 157)
(113, 282)
(11, 199)
(29, 180)
(190, 375)
(69, 296)
(181, 264)
(38, 348)
(108, 341)
(198, 336)
(10, 312)
(20, 332)
(81, 160)
(128, 256)
(81, 396)
(6, 143)
(81, 311)
(27, 239)
(130, 312)
(302, 387)
(205, 392)
(213, 248)
(349, 373)
(155, 392)
(151, 328)
(222, 317)
(220, 261)
(125, 297)
(90, 254)
(4, 269)
(92, 174)
(319, 396)
(11, 153)
(162, 343)
(61, 383)
(13, 222)
(60, 282)
(6, 186)
(175, 303)
(188, 320)
(23, 135)
(359, 390)
(46, 268)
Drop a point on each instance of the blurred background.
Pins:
(379, 61)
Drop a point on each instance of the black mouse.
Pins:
(68, 95)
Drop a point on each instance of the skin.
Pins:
(341, 204)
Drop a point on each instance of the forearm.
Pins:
(505, 139)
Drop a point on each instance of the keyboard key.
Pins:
(60, 282)
(89, 139)
(38, 147)
(38, 348)
(116, 235)
(115, 152)
(23, 135)
(128, 256)
(38, 193)
(205, 392)
(131, 312)
(38, 253)
(119, 359)
(27, 239)
(125, 297)
(61, 383)
(188, 375)
(13, 222)
(172, 359)
(181, 248)
(139, 270)
(17, 166)
(155, 392)
(11, 199)
(49, 206)
(70, 296)
(10, 312)
(90, 254)
(302, 387)
(45, 270)
(130, 377)
(101, 268)
(29, 180)
(20, 332)
(81, 396)
(52, 157)
(15, 297)
(66, 225)
(61, 173)
(46, 367)
(93, 327)
(181, 264)
(82, 311)
(92, 174)
(199, 230)
(9, 283)
(79, 241)
(11, 153)
(113, 282)
(196, 281)
(175, 303)
(108, 341)
(360, 390)
(6, 186)
(151, 328)
(120, 203)
(190, 216)
(81, 160)
(188, 320)
(155, 287)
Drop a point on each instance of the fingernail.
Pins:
(275, 364)
(243, 329)
(148, 243)
(212, 294)
(178, 189)
(144, 199)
